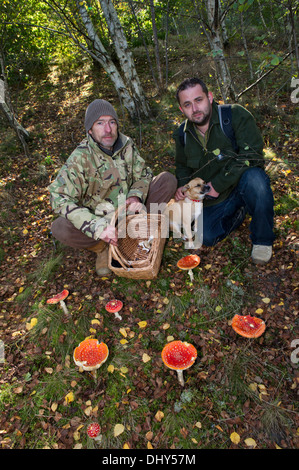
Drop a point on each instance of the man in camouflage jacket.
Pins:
(103, 172)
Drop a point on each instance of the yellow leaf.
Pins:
(110, 368)
(118, 429)
(123, 341)
(95, 322)
(149, 445)
(69, 397)
(124, 370)
(218, 308)
(54, 406)
(259, 311)
(165, 301)
(21, 290)
(166, 326)
(208, 266)
(142, 324)
(123, 332)
(159, 415)
(126, 446)
(266, 300)
(25, 231)
(250, 442)
(49, 370)
(146, 357)
(32, 323)
(235, 438)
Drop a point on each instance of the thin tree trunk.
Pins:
(156, 42)
(100, 54)
(144, 43)
(8, 111)
(125, 56)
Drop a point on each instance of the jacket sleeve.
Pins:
(67, 191)
(139, 174)
(250, 153)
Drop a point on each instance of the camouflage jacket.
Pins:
(91, 185)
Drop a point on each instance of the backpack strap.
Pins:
(182, 134)
(225, 118)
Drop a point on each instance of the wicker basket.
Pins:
(139, 251)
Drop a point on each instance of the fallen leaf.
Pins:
(123, 331)
(266, 300)
(118, 429)
(142, 324)
(250, 442)
(32, 323)
(159, 415)
(235, 438)
(146, 357)
(69, 397)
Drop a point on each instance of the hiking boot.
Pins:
(102, 263)
(261, 254)
(101, 250)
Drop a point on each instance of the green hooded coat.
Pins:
(213, 158)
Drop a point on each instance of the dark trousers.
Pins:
(253, 196)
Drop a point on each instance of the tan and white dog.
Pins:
(183, 213)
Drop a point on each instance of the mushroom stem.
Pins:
(181, 377)
(190, 272)
(117, 316)
(64, 308)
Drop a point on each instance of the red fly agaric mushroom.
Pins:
(179, 355)
(93, 431)
(60, 298)
(248, 326)
(90, 354)
(114, 306)
(188, 263)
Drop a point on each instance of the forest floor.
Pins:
(240, 393)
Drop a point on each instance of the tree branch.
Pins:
(264, 75)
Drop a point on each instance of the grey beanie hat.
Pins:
(97, 109)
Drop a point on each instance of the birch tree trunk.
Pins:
(125, 56)
(209, 18)
(8, 111)
(100, 54)
(214, 23)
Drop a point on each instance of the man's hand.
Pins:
(133, 204)
(109, 235)
(180, 195)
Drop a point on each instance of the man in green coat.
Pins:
(233, 170)
(104, 172)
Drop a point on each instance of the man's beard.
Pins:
(202, 119)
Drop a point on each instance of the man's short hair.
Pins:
(190, 83)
